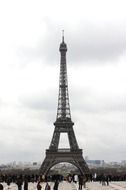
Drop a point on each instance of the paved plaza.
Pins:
(72, 186)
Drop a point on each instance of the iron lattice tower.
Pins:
(63, 124)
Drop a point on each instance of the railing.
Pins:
(64, 150)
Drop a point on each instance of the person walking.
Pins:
(103, 180)
(25, 184)
(107, 180)
(80, 178)
(56, 184)
(47, 187)
(39, 187)
(1, 186)
(84, 181)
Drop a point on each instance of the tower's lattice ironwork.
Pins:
(63, 124)
(63, 110)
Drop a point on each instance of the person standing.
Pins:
(8, 182)
(75, 178)
(19, 183)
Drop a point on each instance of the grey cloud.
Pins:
(29, 153)
(40, 102)
(94, 43)
(104, 131)
(90, 102)
(1, 102)
(25, 143)
(89, 43)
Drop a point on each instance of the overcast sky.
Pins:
(30, 34)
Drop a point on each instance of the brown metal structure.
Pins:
(63, 124)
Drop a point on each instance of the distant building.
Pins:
(123, 162)
(95, 163)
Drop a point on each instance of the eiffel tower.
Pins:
(63, 124)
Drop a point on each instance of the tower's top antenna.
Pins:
(63, 36)
(63, 46)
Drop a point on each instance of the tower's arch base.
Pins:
(54, 157)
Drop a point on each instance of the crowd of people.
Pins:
(22, 181)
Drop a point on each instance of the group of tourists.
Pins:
(47, 187)
(80, 179)
(22, 181)
(19, 180)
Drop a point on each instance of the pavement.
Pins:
(72, 186)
